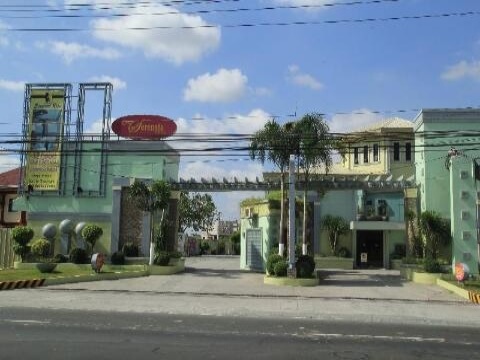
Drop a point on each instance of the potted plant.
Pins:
(40, 249)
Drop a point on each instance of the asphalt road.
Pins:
(68, 334)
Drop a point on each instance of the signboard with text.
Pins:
(44, 138)
(143, 127)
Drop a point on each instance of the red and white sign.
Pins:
(144, 127)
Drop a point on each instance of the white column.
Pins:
(291, 213)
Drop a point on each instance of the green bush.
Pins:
(91, 233)
(175, 254)
(343, 252)
(78, 256)
(271, 261)
(305, 266)
(40, 247)
(60, 258)
(162, 258)
(432, 266)
(22, 235)
(280, 268)
(130, 249)
(204, 247)
(117, 258)
(221, 247)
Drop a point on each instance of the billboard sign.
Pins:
(142, 127)
(44, 138)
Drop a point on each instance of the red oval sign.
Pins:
(144, 126)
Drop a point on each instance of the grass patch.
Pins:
(17, 274)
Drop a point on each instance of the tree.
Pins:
(435, 231)
(315, 148)
(275, 143)
(335, 226)
(150, 199)
(196, 211)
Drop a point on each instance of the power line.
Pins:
(252, 25)
(176, 12)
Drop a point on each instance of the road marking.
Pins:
(27, 321)
(374, 337)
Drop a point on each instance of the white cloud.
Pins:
(75, 51)
(262, 91)
(3, 39)
(302, 79)
(17, 86)
(8, 162)
(118, 84)
(178, 37)
(223, 86)
(357, 119)
(463, 69)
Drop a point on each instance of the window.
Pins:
(365, 154)
(10, 205)
(355, 156)
(408, 151)
(375, 152)
(396, 151)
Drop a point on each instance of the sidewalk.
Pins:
(216, 286)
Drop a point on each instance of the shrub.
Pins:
(130, 249)
(221, 247)
(40, 247)
(204, 247)
(432, 266)
(78, 256)
(21, 235)
(343, 252)
(271, 261)
(91, 233)
(117, 258)
(305, 266)
(60, 258)
(280, 268)
(175, 254)
(162, 258)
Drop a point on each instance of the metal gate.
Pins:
(254, 249)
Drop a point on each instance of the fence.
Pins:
(7, 255)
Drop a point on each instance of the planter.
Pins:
(136, 260)
(333, 262)
(285, 281)
(407, 270)
(426, 278)
(178, 267)
(395, 264)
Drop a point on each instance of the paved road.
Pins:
(32, 334)
(216, 286)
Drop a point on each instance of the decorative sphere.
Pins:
(49, 231)
(79, 228)
(66, 226)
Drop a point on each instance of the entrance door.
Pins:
(369, 249)
(254, 249)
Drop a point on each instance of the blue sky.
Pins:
(226, 78)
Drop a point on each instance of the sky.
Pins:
(228, 66)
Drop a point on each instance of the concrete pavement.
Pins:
(216, 286)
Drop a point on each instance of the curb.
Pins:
(466, 294)
(284, 281)
(21, 284)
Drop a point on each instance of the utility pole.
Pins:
(291, 218)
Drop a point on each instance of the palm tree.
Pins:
(274, 143)
(335, 226)
(315, 148)
(150, 199)
(436, 232)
